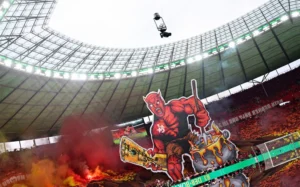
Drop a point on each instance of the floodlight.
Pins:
(150, 70)
(117, 75)
(6, 4)
(190, 60)
(214, 51)
(240, 40)
(205, 55)
(38, 71)
(248, 37)
(48, 73)
(74, 76)
(257, 32)
(266, 28)
(66, 75)
(29, 69)
(100, 77)
(295, 14)
(18, 66)
(274, 23)
(198, 57)
(8, 62)
(284, 18)
(134, 73)
(231, 44)
(82, 76)
(92, 77)
(56, 74)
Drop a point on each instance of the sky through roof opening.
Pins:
(129, 24)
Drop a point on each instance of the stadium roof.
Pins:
(130, 24)
(257, 43)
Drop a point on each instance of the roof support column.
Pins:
(67, 106)
(169, 72)
(220, 58)
(152, 76)
(126, 101)
(92, 98)
(238, 54)
(25, 130)
(25, 104)
(119, 80)
(203, 72)
(287, 12)
(276, 37)
(185, 68)
(97, 63)
(256, 45)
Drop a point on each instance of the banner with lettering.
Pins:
(13, 178)
(248, 114)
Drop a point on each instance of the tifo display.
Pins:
(217, 109)
(174, 137)
(292, 150)
(260, 150)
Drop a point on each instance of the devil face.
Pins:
(155, 103)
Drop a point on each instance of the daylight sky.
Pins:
(129, 23)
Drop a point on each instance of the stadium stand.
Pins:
(279, 120)
(46, 77)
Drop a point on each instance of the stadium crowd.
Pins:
(282, 87)
(277, 121)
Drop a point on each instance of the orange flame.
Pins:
(98, 174)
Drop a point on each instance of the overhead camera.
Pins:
(156, 16)
(165, 34)
(161, 26)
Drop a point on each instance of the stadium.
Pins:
(75, 114)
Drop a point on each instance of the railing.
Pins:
(27, 144)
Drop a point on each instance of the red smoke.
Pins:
(84, 149)
(81, 155)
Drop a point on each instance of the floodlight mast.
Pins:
(161, 26)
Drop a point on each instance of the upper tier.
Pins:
(32, 45)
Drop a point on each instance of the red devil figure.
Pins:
(170, 128)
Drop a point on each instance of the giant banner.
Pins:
(12, 178)
(248, 114)
(175, 137)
